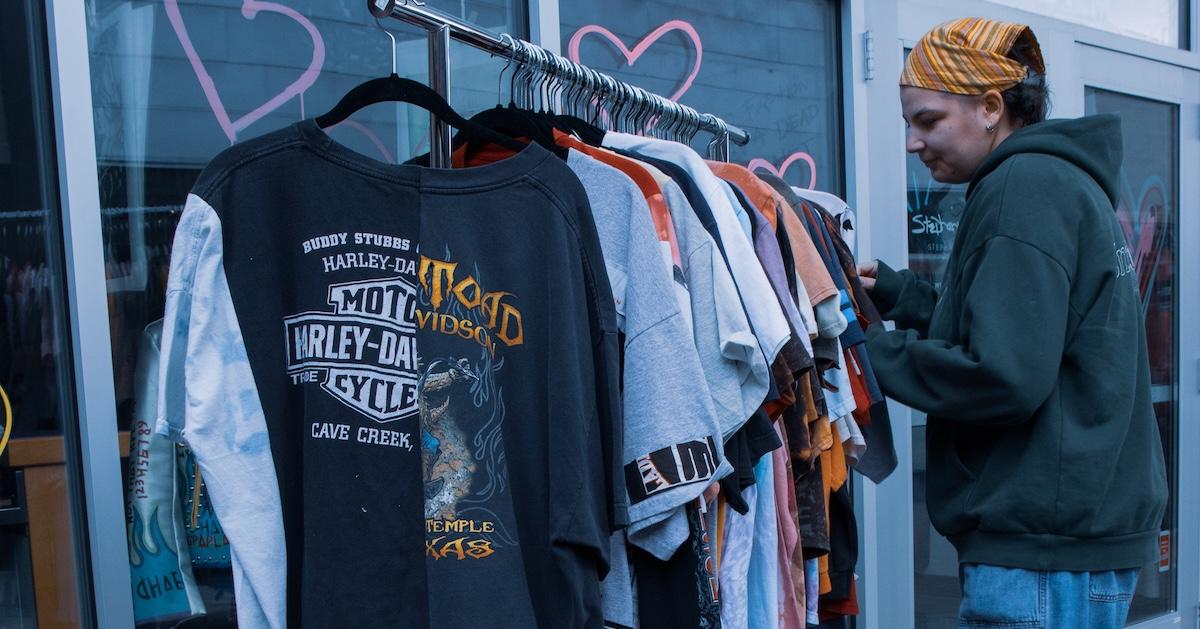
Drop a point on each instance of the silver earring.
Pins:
(990, 128)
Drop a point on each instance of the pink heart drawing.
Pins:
(759, 162)
(631, 56)
(250, 9)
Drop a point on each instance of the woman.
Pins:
(1045, 468)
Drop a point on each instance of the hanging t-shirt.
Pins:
(741, 365)
(735, 565)
(739, 212)
(735, 362)
(763, 591)
(768, 320)
(372, 362)
(672, 438)
(812, 264)
(766, 247)
(812, 586)
(841, 212)
(791, 584)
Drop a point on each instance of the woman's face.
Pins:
(947, 131)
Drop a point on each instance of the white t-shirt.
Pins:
(770, 325)
(737, 373)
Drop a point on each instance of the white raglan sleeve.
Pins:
(208, 400)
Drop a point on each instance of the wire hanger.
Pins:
(395, 88)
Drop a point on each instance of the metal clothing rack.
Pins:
(442, 27)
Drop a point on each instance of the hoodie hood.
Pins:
(1093, 143)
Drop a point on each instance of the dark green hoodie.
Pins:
(1042, 444)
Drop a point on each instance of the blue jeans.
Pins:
(1013, 598)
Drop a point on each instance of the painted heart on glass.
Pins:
(1146, 232)
(250, 10)
(759, 162)
(631, 56)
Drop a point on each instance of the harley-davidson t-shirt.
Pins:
(401, 385)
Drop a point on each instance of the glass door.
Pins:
(1149, 214)
(1158, 212)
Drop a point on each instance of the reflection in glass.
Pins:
(934, 212)
(1149, 214)
(174, 83)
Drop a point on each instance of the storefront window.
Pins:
(40, 579)
(1149, 214)
(1160, 21)
(174, 83)
(771, 68)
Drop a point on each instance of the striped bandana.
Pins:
(967, 56)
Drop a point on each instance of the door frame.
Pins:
(106, 556)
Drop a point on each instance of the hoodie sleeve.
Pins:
(904, 299)
(1013, 325)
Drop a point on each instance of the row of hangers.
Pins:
(547, 93)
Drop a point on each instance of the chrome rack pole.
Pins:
(432, 20)
(439, 80)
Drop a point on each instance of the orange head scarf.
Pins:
(968, 56)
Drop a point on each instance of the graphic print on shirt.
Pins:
(363, 352)
(462, 410)
(366, 348)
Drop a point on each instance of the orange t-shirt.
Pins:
(764, 198)
(809, 264)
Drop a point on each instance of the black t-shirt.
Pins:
(435, 356)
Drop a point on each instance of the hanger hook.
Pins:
(518, 56)
(544, 78)
(548, 79)
(506, 39)
(391, 37)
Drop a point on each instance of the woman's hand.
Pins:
(867, 272)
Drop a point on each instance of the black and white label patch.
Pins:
(682, 464)
(364, 352)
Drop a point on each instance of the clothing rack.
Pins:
(443, 27)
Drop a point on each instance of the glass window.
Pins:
(1149, 213)
(934, 211)
(1160, 21)
(40, 583)
(174, 83)
(771, 68)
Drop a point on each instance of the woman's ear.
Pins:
(993, 108)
